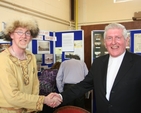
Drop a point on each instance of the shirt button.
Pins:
(110, 106)
(112, 92)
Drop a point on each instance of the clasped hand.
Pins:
(53, 100)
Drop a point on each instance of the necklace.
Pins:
(19, 58)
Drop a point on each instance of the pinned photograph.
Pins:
(48, 58)
(43, 47)
(38, 58)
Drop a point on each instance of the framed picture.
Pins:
(43, 47)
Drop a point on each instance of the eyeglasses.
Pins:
(21, 33)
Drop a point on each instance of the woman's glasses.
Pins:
(21, 33)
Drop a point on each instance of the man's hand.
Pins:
(53, 100)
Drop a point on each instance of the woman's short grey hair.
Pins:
(116, 26)
(25, 22)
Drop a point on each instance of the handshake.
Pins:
(53, 100)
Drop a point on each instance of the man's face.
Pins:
(115, 43)
(21, 37)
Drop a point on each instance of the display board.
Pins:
(136, 41)
(43, 48)
(69, 42)
(97, 44)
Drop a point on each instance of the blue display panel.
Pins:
(78, 37)
(136, 41)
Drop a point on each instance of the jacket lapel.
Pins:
(125, 66)
(104, 72)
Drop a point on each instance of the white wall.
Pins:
(105, 11)
(52, 15)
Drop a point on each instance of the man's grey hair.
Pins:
(116, 26)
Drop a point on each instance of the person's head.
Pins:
(71, 56)
(115, 39)
(76, 57)
(56, 65)
(21, 30)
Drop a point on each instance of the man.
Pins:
(115, 77)
(19, 84)
(72, 71)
